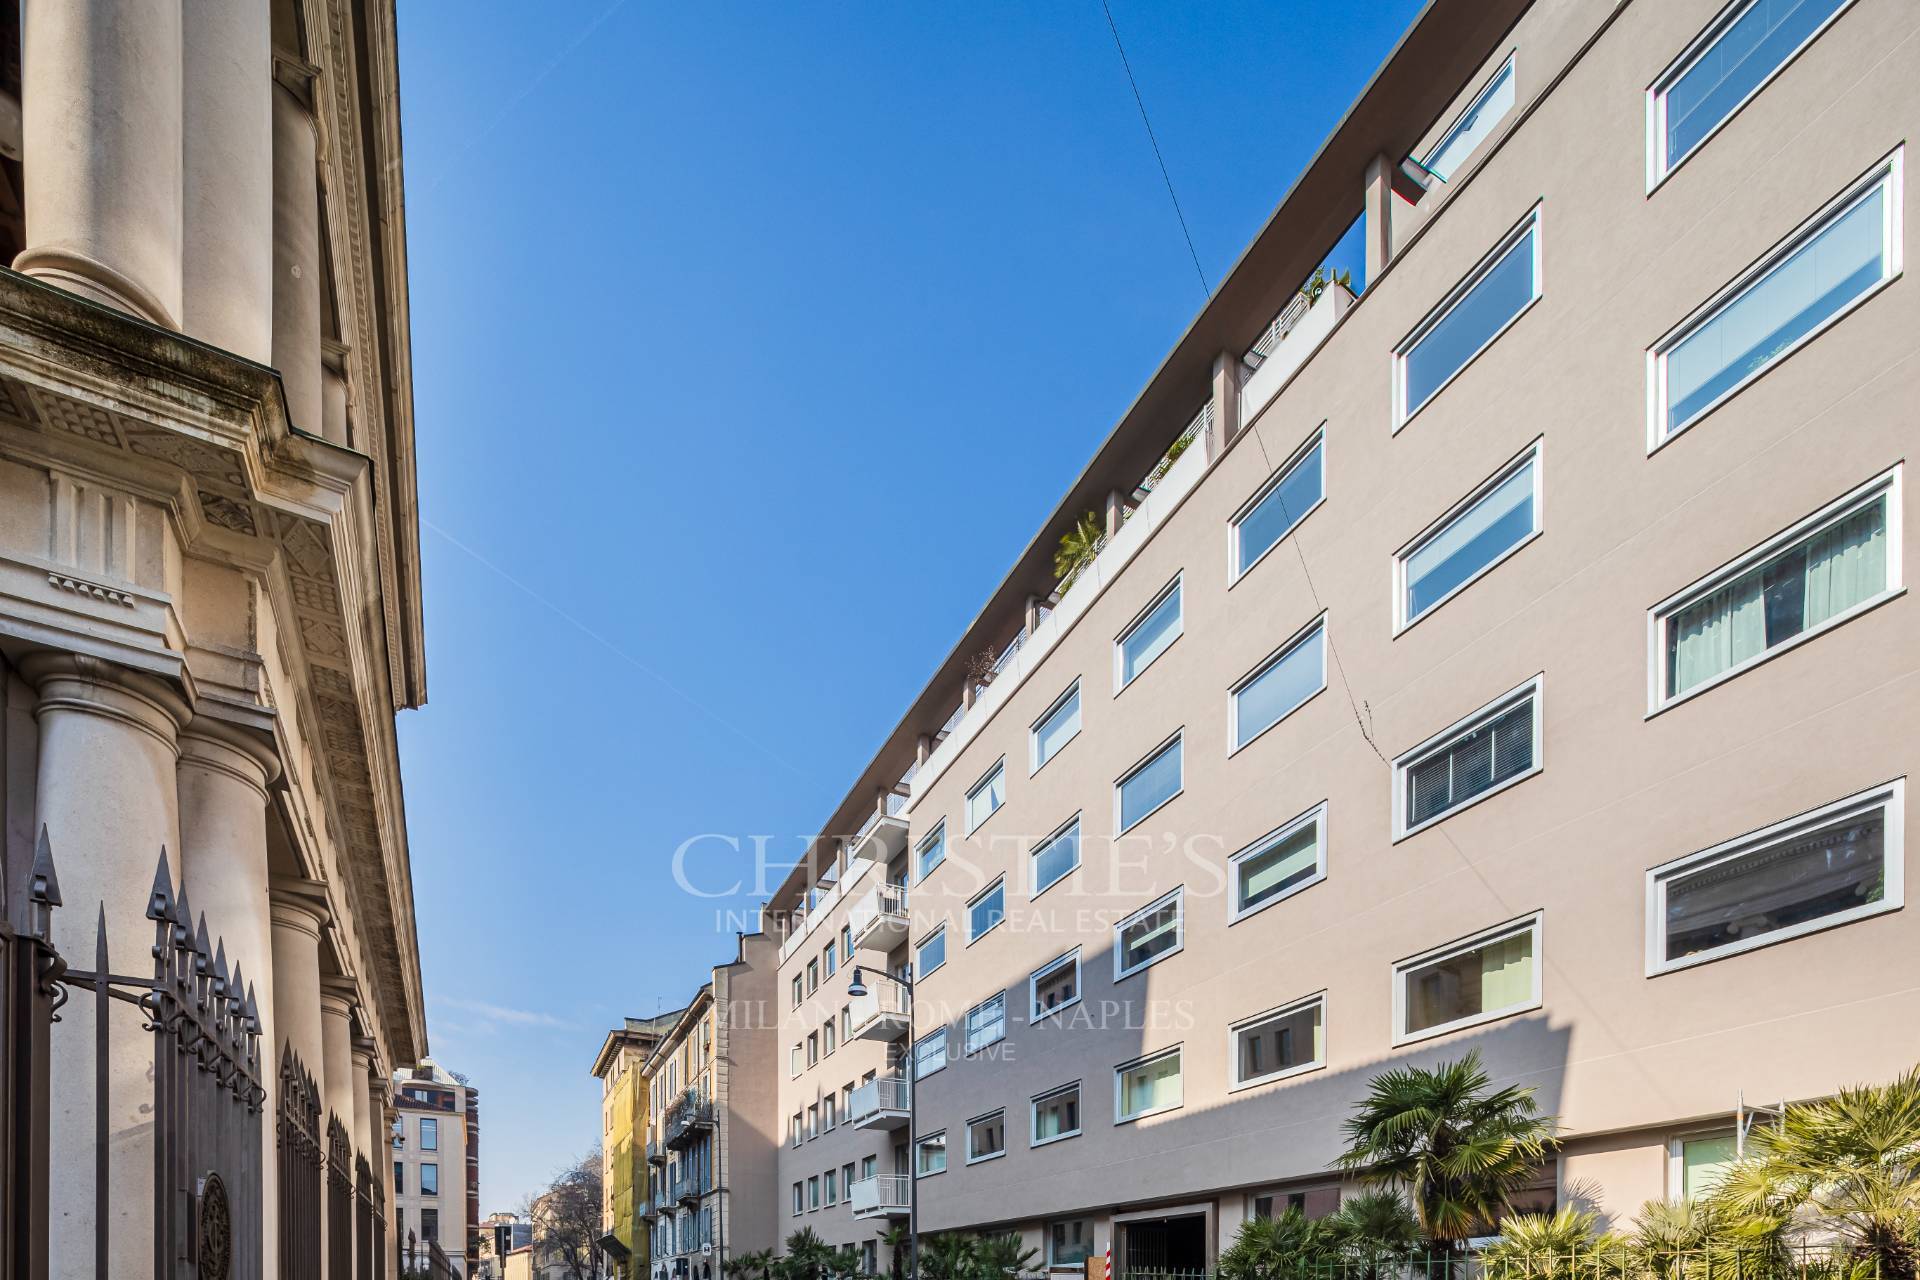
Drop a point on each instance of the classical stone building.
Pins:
(209, 558)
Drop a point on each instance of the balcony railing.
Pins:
(883, 1195)
(879, 919)
(687, 1119)
(880, 1104)
(884, 833)
(656, 1154)
(881, 1014)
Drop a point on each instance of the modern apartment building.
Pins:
(624, 1114)
(1518, 660)
(710, 1130)
(436, 1166)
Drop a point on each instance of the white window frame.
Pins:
(1459, 121)
(1888, 170)
(1535, 454)
(1534, 688)
(940, 932)
(1677, 1153)
(1660, 165)
(1178, 898)
(1120, 679)
(1175, 738)
(936, 836)
(1890, 796)
(1071, 694)
(914, 1073)
(967, 1024)
(1888, 483)
(1033, 1114)
(1317, 439)
(1048, 970)
(999, 882)
(1034, 887)
(983, 784)
(927, 1139)
(1266, 664)
(992, 1155)
(1317, 1063)
(1315, 817)
(1119, 1090)
(1532, 221)
(1534, 922)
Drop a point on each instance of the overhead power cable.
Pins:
(1205, 288)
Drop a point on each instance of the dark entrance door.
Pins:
(1166, 1248)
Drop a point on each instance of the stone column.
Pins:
(1378, 216)
(106, 795)
(335, 399)
(223, 777)
(1226, 403)
(296, 252)
(368, 1135)
(101, 131)
(337, 998)
(227, 235)
(299, 913)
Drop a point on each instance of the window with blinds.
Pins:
(1482, 978)
(1840, 863)
(1279, 864)
(1494, 748)
(1148, 936)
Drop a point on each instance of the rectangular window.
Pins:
(1054, 985)
(1491, 749)
(987, 1022)
(930, 1054)
(430, 1226)
(1839, 863)
(1495, 293)
(1698, 1162)
(1147, 636)
(813, 1048)
(1279, 864)
(429, 1134)
(1152, 783)
(1835, 261)
(1279, 1044)
(1496, 520)
(399, 1178)
(1463, 984)
(1282, 502)
(986, 797)
(1148, 936)
(1279, 685)
(813, 1121)
(932, 952)
(930, 1155)
(829, 1116)
(930, 852)
(1055, 856)
(830, 1182)
(1823, 571)
(1146, 1087)
(797, 1129)
(827, 961)
(1487, 109)
(986, 910)
(986, 1137)
(846, 1177)
(429, 1179)
(1058, 725)
(1069, 1244)
(1748, 44)
(799, 993)
(846, 944)
(799, 1199)
(1056, 1114)
(826, 1037)
(813, 976)
(813, 1192)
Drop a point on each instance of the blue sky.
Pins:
(751, 344)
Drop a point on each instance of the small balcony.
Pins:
(881, 1014)
(687, 1119)
(879, 919)
(881, 1197)
(880, 1104)
(656, 1154)
(885, 833)
(650, 1209)
(688, 1191)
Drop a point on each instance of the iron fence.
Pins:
(1806, 1259)
(300, 1158)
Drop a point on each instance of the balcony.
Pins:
(656, 1154)
(650, 1209)
(687, 1119)
(688, 1191)
(885, 834)
(879, 919)
(881, 1197)
(880, 1104)
(881, 1014)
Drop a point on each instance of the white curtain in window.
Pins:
(1846, 564)
(1506, 972)
(1725, 629)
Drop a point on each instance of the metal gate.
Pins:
(370, 1223)
(339, 1201)
(299, 1162)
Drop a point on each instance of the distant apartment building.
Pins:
(499, 1235)
(710, 1128)
(436, 1167)
(1343, 754)
(624, 1130)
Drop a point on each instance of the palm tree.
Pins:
(1460, 1147)
(1290, 1245)
(1848, 1166)
(1701, 1240)
(996, 1257)
(808, 1256)
(898, 1240)
(757, 1265)
(1540, 1246)
(951, 1256)
(1078, 546)
(1373, 1234)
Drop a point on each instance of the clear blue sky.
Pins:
(751, 344)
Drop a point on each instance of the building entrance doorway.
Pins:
(1165, 1248)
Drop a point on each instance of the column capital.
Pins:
(95, 686)
(298, 904)
(339, 995)
(223, 748)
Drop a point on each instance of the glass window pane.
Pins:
(1483, 979)
(1055, 986)
(1150, 936)
(1150, 1086)
(1274, 516)
(1150, 786)
(1069, 1244)
(1487, 110)
(1284, 861)
(1838, 264)
(1490, 302)
(1056, 858)
(1786, 883)
(933, 850)
(1704, 1162)
(1150, 636)
(1470, 541)
(987, 911)
(1057, 729)
(1723, 74)
(1475, 762)
(1280, 1043)
(933, 953)
(987, 796)
(1295, 676)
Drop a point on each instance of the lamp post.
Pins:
(856, 989)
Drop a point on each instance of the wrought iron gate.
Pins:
(339, 1201)
(299, 1163)
(370, 1223)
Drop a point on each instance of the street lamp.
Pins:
(857, 989)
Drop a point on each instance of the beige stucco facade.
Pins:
(436, 1155)
(1633, 1053)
